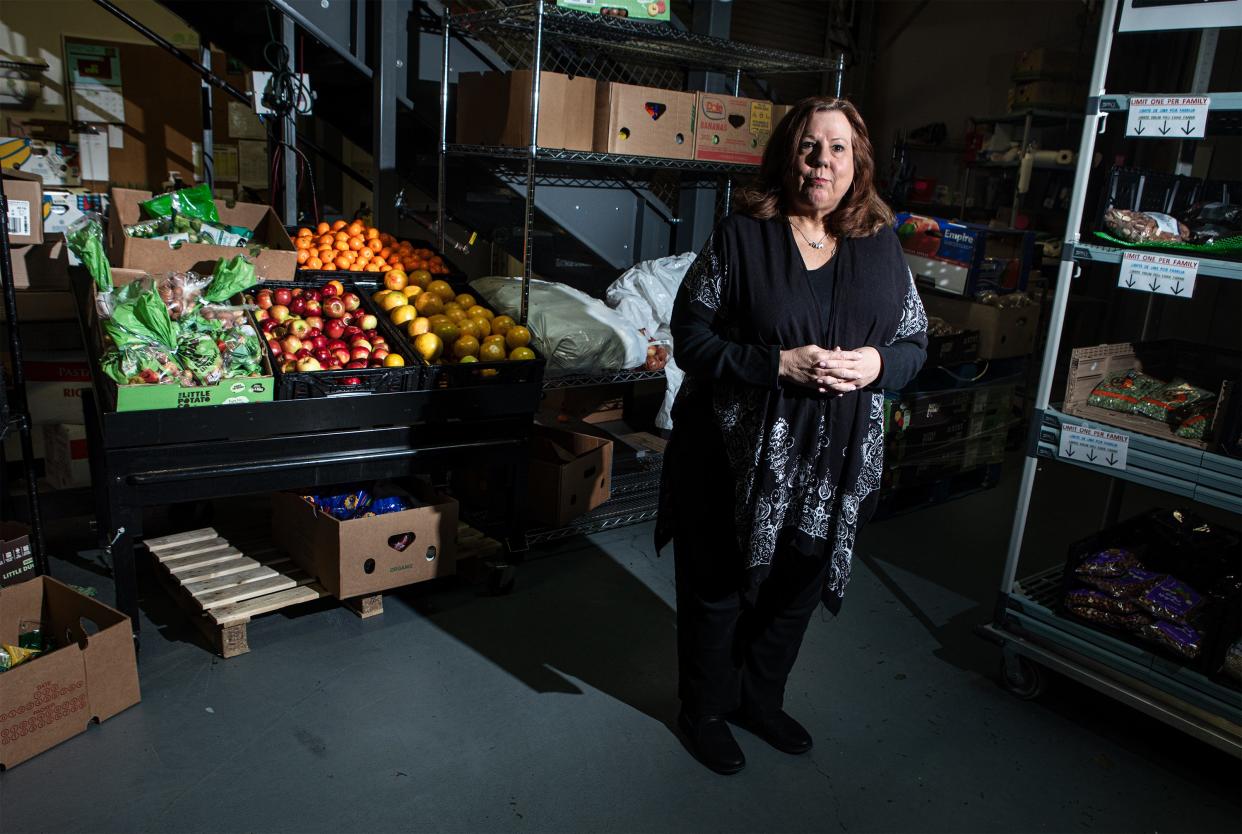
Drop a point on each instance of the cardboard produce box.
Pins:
(643, 121)
(16, 561)
(277, 262)
(67, 463)
(56, 163)
(64, 207)
(570, 474)
(731, 129)
(493, 108)
(1004, 332)
(633, 9)
(24, 194)
(54, 385)
(90, 673)
(360, 557)
(41, 266)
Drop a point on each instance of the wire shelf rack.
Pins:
(635, 499)
(642, 42)
(587, 380)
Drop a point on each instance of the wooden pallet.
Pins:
(222, 587)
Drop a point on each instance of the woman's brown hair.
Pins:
(861, 212)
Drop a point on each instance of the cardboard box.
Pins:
(1065, 95)
(24, 195)
(67, 464)
(91, 672)
(493, 108)
(39, 305)
(355, 558)
(954, 349)
(43, 266)
(56, 163)
(1051, 63)
(633, 9)
(64, 207)
(275, 263)
(731, 129)
(643, 121)
(964, 258)
(570, 474)
(16, 560)
(54, 385)
(779, 111)
(1003, 332)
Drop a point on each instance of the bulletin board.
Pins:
(162, 120)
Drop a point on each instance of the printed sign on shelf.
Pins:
(1172, 117)
(1163, 274)
(1094, 446)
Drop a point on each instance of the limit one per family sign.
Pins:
(1168, 117)
(1160, 274)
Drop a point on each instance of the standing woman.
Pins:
(796, 314)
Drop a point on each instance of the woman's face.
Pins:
(824, 167)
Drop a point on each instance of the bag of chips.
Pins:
(1123, 392)
(1170, 402)
(1172, 600)
(1112, 562)
(1184, 640)
(1131, 583)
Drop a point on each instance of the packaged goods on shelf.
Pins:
(1167, 580)
(964, 258)
(731, 129)
(368, 553)
(1170, 212)
(17, 562)
(64, 207)
(55, 163)
(493, 108)
(1169, 389)
(573, 331)
(69, 677)
(633, 9)
(24, 195)
(948, 344)
(270, 248)
(643, 121)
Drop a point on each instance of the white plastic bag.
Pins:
(575, 332)
(644, 293)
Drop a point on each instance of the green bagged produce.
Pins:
(200, 355)
(190, 202)
(1197, 420)
(141, 319)
(1168, 403)
(1124, 391)
(241, 352)
(145, 363)
(85, 238)
(232, 275)
(179, 229)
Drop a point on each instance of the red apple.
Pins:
(279, 312)
(282, 296)
(334, 329)
(316, 322)
(308, 365)
(331, 289)
(269, 325)
(361, 342)
(378, 354)
(323, 355)
(371, 333)
(341, 354)
(296, 291)
(351, 332)
(260, 315)
(302, 354)
(299, 328)
(274, 346)
(312, 306)
(291, 344)
(289, 366)
(297, 305)
(356, 365)
(264, 299)
(368, 321)
(320, 342)
(314, 294)
(360, 353)
(352, 301)
(334, 308)
(337, 344)
(351, 380)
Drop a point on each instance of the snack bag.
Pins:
(1124, 391)
(190, 202)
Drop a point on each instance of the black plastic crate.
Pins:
(1134, 189)
(1206, 558)
(296, 385)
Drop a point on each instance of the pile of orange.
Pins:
(355, 247)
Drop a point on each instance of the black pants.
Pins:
(732, 653)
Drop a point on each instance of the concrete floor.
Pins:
(550, 710)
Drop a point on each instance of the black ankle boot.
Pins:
(776, 728)
(712, 742)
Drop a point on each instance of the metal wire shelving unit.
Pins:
(1028, 624)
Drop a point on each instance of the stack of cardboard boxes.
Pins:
(1049, 80)
(606, 117)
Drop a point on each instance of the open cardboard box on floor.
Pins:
(570, 474)
(360, 557)
(277, 262)
(90, 674)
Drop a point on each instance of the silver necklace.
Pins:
(814, 244)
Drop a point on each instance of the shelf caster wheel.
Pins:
(1022, 677)
(500, 579)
